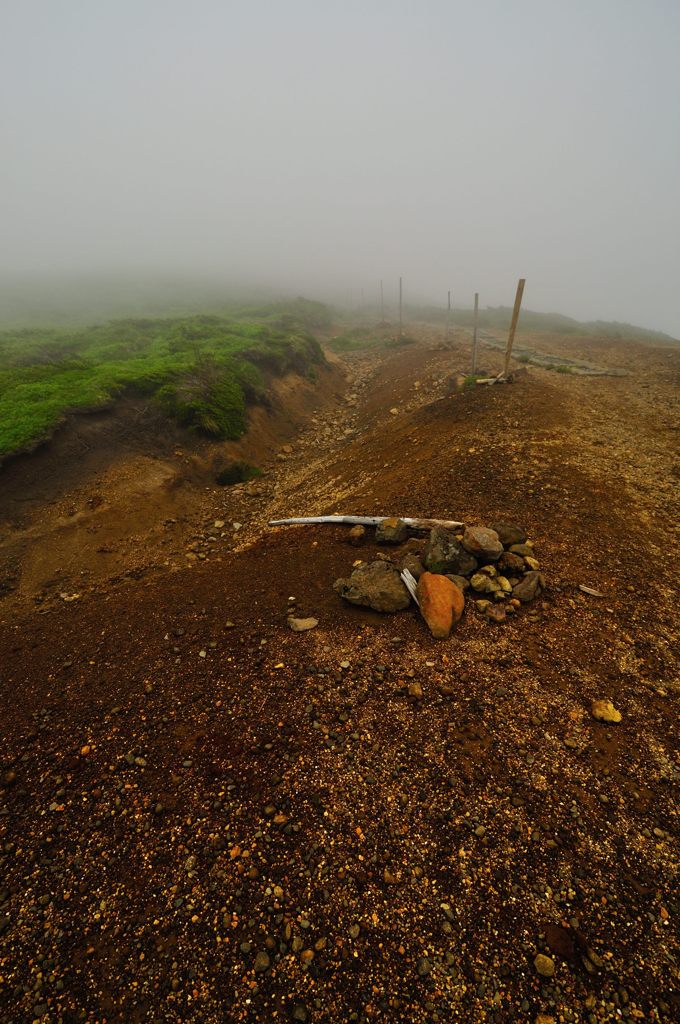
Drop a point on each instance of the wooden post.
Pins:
(382, 304)
(513, 324)
(474, 334)
(401, 318)
(448, 315)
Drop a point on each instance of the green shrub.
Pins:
(237, 473)
(400, 342)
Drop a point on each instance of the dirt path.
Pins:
(207, 817)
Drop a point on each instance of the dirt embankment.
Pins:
(206, 816)
(121, 493)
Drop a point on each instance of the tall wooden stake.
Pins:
(474, 334)
(382, 304)
(513, 324)
(448, 315)
(401, 318)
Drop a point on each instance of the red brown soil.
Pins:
(173, 753)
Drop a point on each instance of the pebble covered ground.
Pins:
(205, 816)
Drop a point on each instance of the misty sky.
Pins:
(321, 145)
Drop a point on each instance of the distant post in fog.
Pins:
(474, 334)
(382, 303)
(401, 318)
(448, 315)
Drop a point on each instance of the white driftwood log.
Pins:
(415, 524)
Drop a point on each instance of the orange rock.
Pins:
(441, 603)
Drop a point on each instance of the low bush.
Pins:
(237, 473)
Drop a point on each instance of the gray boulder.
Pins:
(376, 585)
(391, 531)
(445, 555)
(509, 533)
(482, 543)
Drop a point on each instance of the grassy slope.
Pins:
(202, 369)
(498, 317)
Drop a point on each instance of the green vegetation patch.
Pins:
(237, 473)
(363, 337)
(203, 370)
(472, 378)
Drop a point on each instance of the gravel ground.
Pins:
(207, 817)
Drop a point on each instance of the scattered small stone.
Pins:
(596, 960)
(604, 711)
(423, 967)
(529, 587)
(302, 625)
(496, 613)
(545, 965)
(356, 535)
(262, 962)
(484, 584)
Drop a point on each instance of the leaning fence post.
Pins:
(474, 334)
(513, 324)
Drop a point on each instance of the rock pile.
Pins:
(496, 565)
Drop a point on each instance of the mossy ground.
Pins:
(203, 370)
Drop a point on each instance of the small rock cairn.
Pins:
(496, 565)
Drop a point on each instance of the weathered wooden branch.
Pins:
(410, 583)
(415, 524)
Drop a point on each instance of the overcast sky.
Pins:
(322, 145)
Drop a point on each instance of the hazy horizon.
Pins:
(318, 148)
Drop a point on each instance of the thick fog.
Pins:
(321, 145)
